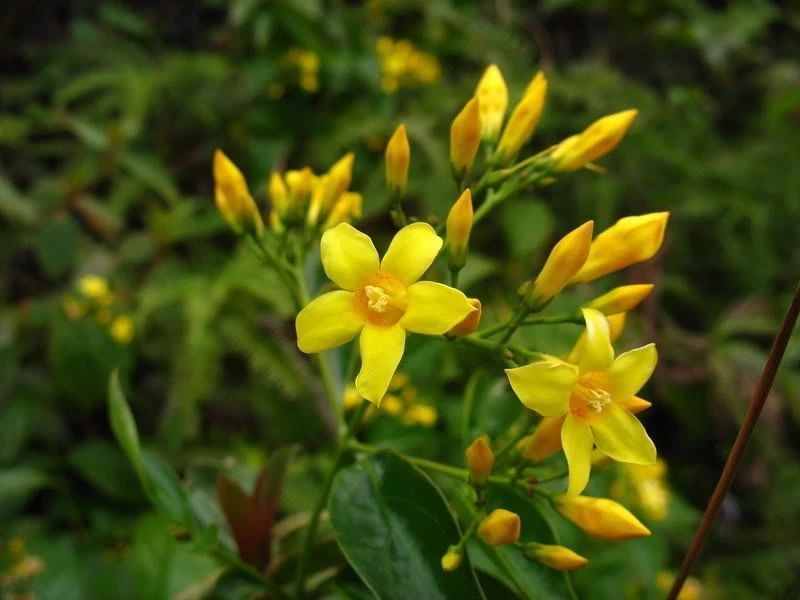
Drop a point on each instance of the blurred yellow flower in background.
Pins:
(404, 65)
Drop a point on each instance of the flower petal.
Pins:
(381, 351)
(621, 436)
(577, 440)
(434, 308)
(597, 353)
(411, 252)
(544, 386)
(348, 256)
(327, 321)
(631, 370)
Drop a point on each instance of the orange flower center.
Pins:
(382, 299)
(590, 396)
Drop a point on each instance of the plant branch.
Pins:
(735, 456)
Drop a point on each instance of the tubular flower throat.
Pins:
(380, 300)
(593, 396)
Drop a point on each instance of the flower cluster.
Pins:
(585, 401)
(404, 65)
(93, 298)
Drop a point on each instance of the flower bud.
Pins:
(559, 558)
(470, 323)
(629, 241)
(301, 185)
(398, 156)
(600, 517)
(233, 198)
(492, 94)
(597, 140)
(459, 226)
(544, 441)
(349, 206)
(501, 527)
(565, 260)
(480, 460)
(452, 559)
(330, 187)
(524, 119)
(621, 299)
(278, 194)
(465, 137)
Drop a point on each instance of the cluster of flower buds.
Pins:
(298, 198)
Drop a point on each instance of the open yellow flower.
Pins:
(592, 395)
(379, 299)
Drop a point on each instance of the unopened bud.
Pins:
(492, 94)
(233, 198)
(398, 157)
(544, 441)
(501, 527)
(465, 137)
(601, 517)
(597, 140)
(559, 558)
(452, 559)
(470, 323)
(621, 299)
(523, 120)
(459, 227)
(278, 194)
(480, 460)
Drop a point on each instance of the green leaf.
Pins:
(124, 426)
(508, 564)
(19, 483)
(393, 526)
(103, 465)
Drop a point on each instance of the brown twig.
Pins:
(735, 456)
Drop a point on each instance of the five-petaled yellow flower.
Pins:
(380, 299)
(592, 394)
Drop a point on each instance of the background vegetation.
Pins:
(109, 114)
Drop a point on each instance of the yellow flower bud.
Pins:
(565, 260)
(621, 299)
(278, 194)
(471, 321)
(452, 559)
(233, 198)
(597, 140)
(330, 188)
(392, 404)
(422, 414)
(500, 527)
(122, 329)
(544, 441)
(465, 137)
(351, 398)
(349, 206)
(95, 288)
(398, 156)
(492, 94)
(480, 460)
(524, 119)
(559, 558)
(301, 183)
(630, 240)
(601, 518)
(459, 226)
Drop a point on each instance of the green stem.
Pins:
(526, 420)
(521, 315)
(553, 320)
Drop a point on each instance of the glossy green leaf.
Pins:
(393, 525)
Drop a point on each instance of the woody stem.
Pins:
(745, 431)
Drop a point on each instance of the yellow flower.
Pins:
(591, 395)
(122, 329)
(398, 157)
(465, 137)
(597, 140)
(422, 414)
(524, 119)
(380, 300)
(480, 459)
(459, 227)
(233, 198)
(629, 241)
(95, 288)
(555, 557)
(492, 94)
(600, 517)
(501, 527)
(565, 260)
(392, 405)
(621, 299)
(452, 559)
(471, 321)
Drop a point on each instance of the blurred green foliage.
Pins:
(109, 114)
